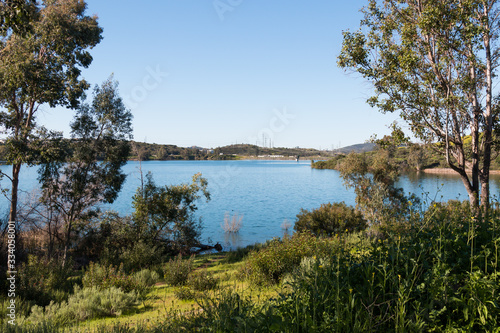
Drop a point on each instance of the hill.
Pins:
(358, 148)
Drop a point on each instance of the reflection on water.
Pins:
(440, 187)
(232, 240)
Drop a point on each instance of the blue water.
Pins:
(265, 193)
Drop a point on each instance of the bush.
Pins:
(330, 219)
(103, 276)
(202, 281)
(86, 303)
(185, 293)
(141, 255)
(144, 282)
(177, 270)
(44, 280)
(279, 257)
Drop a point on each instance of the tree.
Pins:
(16, 15)
(91, 173)
(434, 62)
(42, 67)
(377, 197)
(166, 213)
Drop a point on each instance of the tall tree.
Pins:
(434, 61)
(42, 67)
(16, 15)
(91, 173)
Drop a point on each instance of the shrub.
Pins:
(86, 303)
(185, 293)
(281, 256)
(202, 281)
(103, 276)
(44, 280)
(141, 255)
(330, 219)
(144, 282)
(177, 270)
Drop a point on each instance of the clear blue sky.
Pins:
(194, 74)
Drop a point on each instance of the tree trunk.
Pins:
(66, 244)
(16, 168)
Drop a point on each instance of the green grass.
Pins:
(163, 302)
(436, 273)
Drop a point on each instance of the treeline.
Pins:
(408, 157)
(152, 151)
(160, 152)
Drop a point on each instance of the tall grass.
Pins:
(435, 272)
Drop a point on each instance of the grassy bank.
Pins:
(436, 272)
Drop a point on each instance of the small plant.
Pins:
(286, 225)
(185, 293)
(232, 224)
(281, 256)
(330, 219)
(44, 280)
(177, 271)
(144, 282)
(202, 281)
(86, 303)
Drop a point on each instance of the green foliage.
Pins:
(408, 49)
(91, 171)
(332, 163)
(373, 180)
(103, 277)
(330, 219)
(167, 212)
(141, 255)
(44, 280)
(16, 16)
(84, 304)
(439, 276)
(185, 293)
(282, 256)
(144, 281)
(22, 310)
(177, 270)
(202, 281)
(42, 58)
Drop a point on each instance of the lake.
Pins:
(265, 193)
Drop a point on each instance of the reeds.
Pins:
(232, 224)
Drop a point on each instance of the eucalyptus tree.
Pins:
(434, 62)
(40, 67)
(91, 173)
(16, 15)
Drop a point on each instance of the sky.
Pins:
(217, 72)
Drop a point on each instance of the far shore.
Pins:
(450, 171)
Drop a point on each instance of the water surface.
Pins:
(265, 193)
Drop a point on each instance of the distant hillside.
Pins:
(148, 151)
(359, 148)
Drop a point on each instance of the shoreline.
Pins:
(450, 171)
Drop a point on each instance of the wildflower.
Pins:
(320, 266)
(350, 290)
(410, 203)
(399, 277)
